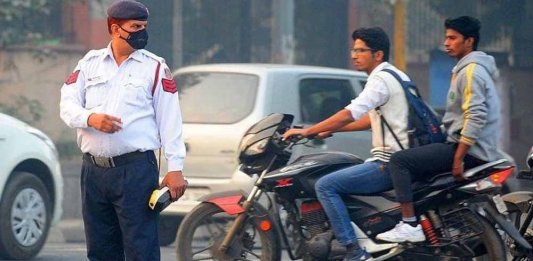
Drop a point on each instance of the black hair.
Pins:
(375, 38)
(465, 25)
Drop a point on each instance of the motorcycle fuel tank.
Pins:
(297, 180)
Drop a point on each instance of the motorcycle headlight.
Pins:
(256, 148)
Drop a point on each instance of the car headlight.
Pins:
(39, 134)
(257, 148)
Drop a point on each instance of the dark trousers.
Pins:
(422, 163)
(118, 223)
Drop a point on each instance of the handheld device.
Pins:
(160, 199)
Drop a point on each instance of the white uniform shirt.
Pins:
(133, 92)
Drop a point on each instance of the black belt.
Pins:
(111, 162)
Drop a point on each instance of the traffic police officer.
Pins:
(123, 103)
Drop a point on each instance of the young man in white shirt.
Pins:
(370, 53)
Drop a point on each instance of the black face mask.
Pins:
(137, 40)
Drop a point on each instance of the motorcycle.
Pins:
(282, 211)
(520, 208)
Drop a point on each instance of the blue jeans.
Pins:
(366, 178)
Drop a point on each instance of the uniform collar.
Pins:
(136, 55)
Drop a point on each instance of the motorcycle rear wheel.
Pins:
(487, 246)
(519, 217)
(492, 243)
(202, 230)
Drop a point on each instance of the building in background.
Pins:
(311, 32)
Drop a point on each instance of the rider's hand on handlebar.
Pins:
(296, 133)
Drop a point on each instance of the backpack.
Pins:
(423, 125)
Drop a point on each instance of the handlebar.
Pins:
(292, 141)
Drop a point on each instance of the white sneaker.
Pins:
(403, 232)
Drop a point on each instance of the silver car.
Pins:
(220, 102)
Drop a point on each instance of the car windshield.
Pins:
(218, 98)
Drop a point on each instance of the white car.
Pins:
(219, 102)
(31, 189)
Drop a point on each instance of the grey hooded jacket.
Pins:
(473, 106)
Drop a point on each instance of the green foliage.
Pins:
(27, 22)
(24, 20)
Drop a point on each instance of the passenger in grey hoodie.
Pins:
(473, 107)
(470, 121)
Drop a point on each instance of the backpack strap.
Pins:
(378, 109)
(402, 82)
(384, 122)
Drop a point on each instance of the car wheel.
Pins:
(25, 213)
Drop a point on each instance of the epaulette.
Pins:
(153, 56)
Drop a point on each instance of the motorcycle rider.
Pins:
(471, 123)
(370, 53)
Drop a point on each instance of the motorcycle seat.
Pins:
(420, 188)
(443, 180)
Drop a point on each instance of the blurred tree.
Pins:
(31, 22)
(24, 21)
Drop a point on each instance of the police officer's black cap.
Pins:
(128, 10)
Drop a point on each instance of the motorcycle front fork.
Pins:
(238, 224)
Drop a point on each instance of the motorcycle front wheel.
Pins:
(203, 229)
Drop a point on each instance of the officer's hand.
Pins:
(176, 184)
(104, 123)
(294, 132)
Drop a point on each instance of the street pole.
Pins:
(399, 35)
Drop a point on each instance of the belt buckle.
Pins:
(103, 162)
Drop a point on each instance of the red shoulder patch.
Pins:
(169, 85)
(73, 77)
